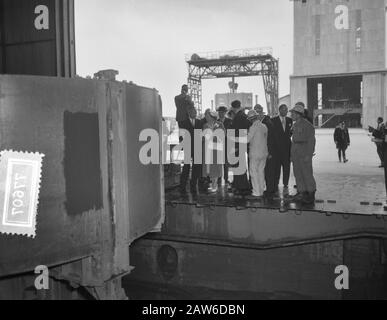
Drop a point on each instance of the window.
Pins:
(358, 30)
(361, 92)
(317, 33)
(320, 95)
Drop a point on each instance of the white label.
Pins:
(42, 20)
(342, 281)
(342, 20)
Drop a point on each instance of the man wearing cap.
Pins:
(303, 147)
(270, 174)
(241, 183)
(257, 139)
(227, 123)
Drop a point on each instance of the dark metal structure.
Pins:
(233, 64)
(37, 37)
(220, 247)
(89, 210)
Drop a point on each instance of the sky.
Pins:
(147, 40)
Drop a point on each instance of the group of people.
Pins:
(273, 144)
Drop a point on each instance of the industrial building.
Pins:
(340, 60)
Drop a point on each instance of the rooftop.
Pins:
(193, 58)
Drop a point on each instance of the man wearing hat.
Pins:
(241, 184)
(227, 123)
(302, 151)
(257, 139)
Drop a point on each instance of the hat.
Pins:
(252, 115)
(214, 114)
(298, 109)
(211, 113)
(230, 113)
(222, 109)
(258, 107)
(236, 104)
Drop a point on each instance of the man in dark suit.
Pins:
(282, 129)
(227, 123)
(191, 125)
(384, 149)
(241, 183)
(270, 175)
(378, 135)
(183, 104)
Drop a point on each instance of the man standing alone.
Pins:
(302, 151)
(282, 128)
(183, 104)
(342, 141)
(378, 135)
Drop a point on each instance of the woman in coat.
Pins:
(342, 141)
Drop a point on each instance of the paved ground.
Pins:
(352, 184)
(359, 180)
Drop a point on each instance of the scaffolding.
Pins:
(234, 64)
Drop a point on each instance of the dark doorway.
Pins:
(335, 99)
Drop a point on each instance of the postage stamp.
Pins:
(20, 176)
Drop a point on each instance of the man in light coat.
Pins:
(257, 139)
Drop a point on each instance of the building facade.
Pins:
(340, 60)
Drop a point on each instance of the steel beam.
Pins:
(260, 65)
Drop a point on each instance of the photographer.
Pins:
(379, 137)
(384, 148)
